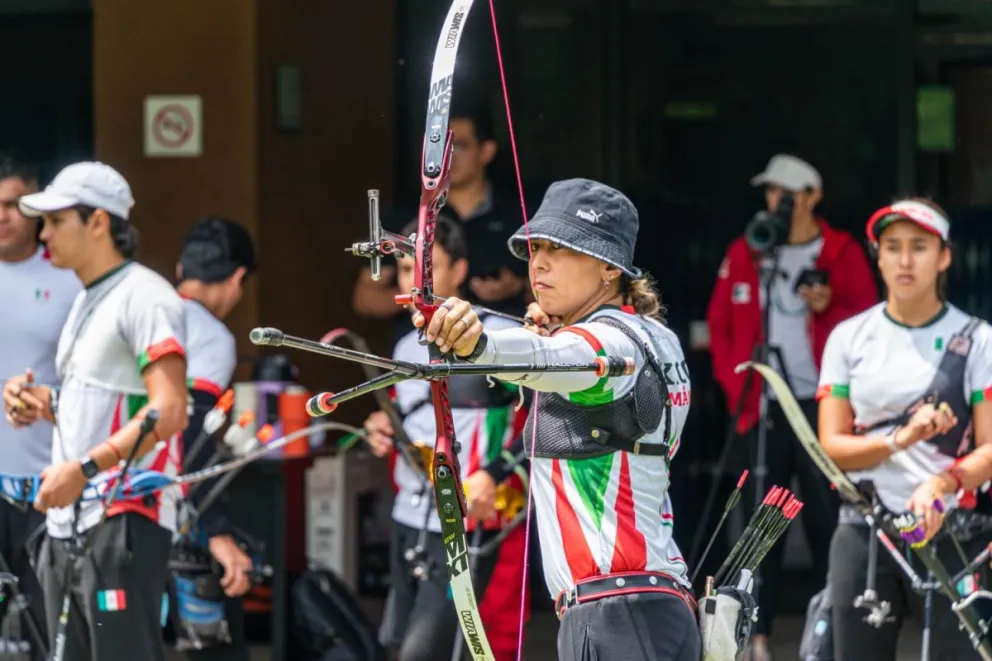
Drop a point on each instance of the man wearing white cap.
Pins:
(820, 276)
(120, 354)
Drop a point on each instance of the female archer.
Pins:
(601, 446)
(904, 402)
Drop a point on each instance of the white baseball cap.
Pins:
(89, 183)
(791, 173)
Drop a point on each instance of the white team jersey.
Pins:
(612, 513)
(211, 351)
(479, 430)
(118, 325)
(788, 318)
(35, 298)
(884, 367)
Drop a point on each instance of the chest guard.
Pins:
(571, 431)
(947, 386)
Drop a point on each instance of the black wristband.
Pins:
(480, 346)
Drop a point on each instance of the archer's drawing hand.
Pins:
(61, 485)
(480, 495)
(539, 321)
(928, 506)
(455, 326)
(380, 433)
(21, 403)
(927, 422)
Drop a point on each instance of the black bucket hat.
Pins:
(587, 217)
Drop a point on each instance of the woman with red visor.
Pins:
(906, 403)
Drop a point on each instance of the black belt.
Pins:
(614, 585)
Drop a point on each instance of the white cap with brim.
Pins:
(915, 212)
(791, 173)
(88, 183)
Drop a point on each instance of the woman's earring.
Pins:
(606, 283)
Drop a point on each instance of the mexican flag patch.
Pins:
(111, 600)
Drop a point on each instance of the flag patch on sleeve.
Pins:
(111, 600)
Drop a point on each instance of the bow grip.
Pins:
(148, 423)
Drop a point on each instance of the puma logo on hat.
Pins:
(590, 215)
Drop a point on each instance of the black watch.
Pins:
(89, 467)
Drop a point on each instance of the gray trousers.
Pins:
(634, 627)
(116, 592)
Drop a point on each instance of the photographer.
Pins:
(815, 277)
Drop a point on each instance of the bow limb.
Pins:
(435, 172)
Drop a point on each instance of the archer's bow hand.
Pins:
(927, 504)
(61, 485)
(380, 433)
(455, 325)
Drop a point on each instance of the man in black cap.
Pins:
(216, 257)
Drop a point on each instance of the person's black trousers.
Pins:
(420, 621)
(16, 526)
(786, 458)
(115, 611)
(649, 626)
(856, 640)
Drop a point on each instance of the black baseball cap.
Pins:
(214, 249)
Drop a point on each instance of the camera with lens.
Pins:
(768, 231)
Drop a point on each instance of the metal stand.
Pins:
(878, 611)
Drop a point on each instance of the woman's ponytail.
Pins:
(645, 299)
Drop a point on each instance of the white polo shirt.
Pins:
(118, 325)
(35, 298)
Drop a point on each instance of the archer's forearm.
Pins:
(172, 420)
(972, 471)
(852, 453)
(515, 345)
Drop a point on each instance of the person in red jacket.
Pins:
(820, 276)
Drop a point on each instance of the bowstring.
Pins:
(530, 265)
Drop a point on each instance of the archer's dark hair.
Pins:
(122, 232)
(481, 118)
(10, 166)
(448, 234)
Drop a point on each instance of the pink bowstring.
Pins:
(530, 254)
(530, 497)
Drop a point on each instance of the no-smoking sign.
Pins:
(173, 126)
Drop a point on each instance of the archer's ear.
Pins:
(489, 149)
(460, 269)
(179, 272)
(610, 273)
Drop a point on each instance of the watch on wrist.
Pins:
(89, 468)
